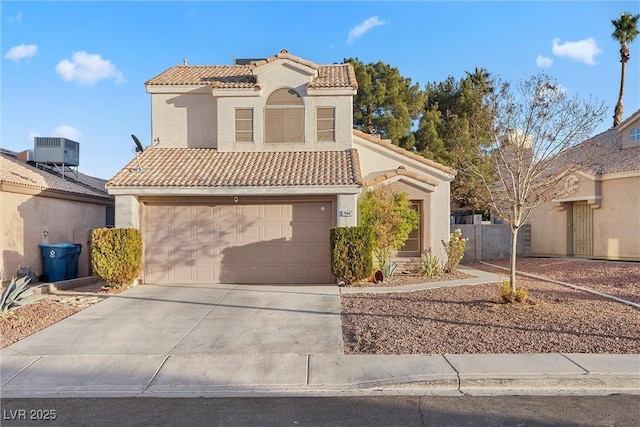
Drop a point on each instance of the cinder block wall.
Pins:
(487, 242)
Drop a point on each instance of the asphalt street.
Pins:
(523, 411)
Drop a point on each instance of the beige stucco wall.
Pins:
(278, 77)
(615, 219)
(616, 224)
(189, 117)
(26, 217)
(184, 120)
(549, 227)
(127, 211)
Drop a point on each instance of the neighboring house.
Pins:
(599, 214)
(42, 207)
(250, 167)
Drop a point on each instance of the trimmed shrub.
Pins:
(116, 255)
(507, 295)
(351, 253)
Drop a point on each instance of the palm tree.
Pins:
(626, 30)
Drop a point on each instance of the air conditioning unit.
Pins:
(56, 150)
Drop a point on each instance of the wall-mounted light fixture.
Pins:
(235, 199)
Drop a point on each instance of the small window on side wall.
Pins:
(635, 135)
(244, 125)
(326, 124)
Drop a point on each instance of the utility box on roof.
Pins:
(56, 150)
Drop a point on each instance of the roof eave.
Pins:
(237, 191)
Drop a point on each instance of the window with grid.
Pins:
(326, 124)
(244, 124)
(284, 117)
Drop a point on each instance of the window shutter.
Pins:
(244, 125)
(284, 117)
(326, 124)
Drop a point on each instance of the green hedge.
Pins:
(351, 253)
(116, 255)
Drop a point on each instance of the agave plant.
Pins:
(389, 267)
(16, 294)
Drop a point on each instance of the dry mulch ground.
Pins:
(470, 319)
(620, 279)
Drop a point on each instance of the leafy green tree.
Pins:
(626, 30)
(391, 217)
(386, 103)
(455, 122)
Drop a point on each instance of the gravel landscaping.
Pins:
(620, 279)
(470, 319)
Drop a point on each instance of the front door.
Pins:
(413, 245)
(582, 229)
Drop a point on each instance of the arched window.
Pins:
(284, 117)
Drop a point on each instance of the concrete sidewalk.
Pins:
(83, 357)
(317, 375)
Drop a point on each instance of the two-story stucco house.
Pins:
(252, 164)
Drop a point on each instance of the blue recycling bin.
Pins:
(60, 261)
(74, 255)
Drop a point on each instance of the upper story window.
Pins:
(244, 124)
(326, 124)
(635, 135)
(284, 117)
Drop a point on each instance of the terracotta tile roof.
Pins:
(15, 171)
(400, 150)
(337, 75)
(206, 167)
(400, 172)
(604, 153)
(217, 76)
(284, 54)
(243, 77)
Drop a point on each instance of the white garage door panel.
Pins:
(272, 243)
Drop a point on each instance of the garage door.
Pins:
(266, 243)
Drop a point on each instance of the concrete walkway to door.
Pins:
(199, 319)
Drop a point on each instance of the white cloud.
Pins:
(63, 131)
(22, 51)
(582, 51)
(360, 29)
(543, 61)
(86, 68)
(32, 134)
(68, 132)
(16, 18)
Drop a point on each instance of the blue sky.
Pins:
(77, 69)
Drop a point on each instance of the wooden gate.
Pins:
(582, 229)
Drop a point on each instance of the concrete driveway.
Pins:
(187, 319)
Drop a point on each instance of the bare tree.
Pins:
(534, 130)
